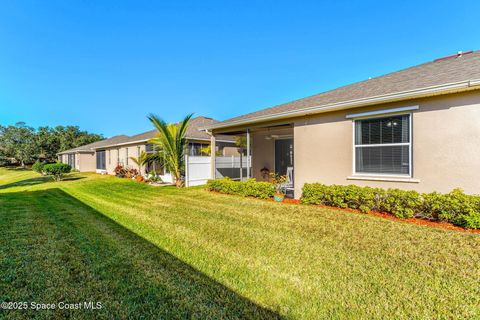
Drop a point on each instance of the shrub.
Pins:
(401, 203)
(57, 170)
(131, 173)
(152, 176)
(120, 171)
(354, 197)
(249, 188)
(455, 207)
(38, 167)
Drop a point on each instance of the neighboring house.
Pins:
(108, 156)
(418, 128)
(83, 158)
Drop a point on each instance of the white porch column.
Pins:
(248, 154)
(213, 148)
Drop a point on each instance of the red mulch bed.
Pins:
(384, 215)
(417, 221)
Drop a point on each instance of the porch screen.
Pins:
(101, 163)
(383, 146)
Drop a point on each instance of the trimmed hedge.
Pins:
(38, 167)
(249, 188)
(57, 170)
(455, 207)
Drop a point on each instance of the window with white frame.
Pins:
(383, 145)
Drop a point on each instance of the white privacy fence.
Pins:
(198, 169)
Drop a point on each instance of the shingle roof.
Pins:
(92, 146)
(193, 133)
(453, 69)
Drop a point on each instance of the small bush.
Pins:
(57, 170)
(401, 203)
(38, 167)
(131, 173)
(354, 197)
(249, 188)
(455, 207)
(120, 171)
(153, 177)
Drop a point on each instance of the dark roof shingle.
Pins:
(193, 133)
(92, 146)
(462, 67)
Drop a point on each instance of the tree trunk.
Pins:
(178, 180)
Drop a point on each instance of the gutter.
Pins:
(402, 95)
(146, 140)
(76, 151)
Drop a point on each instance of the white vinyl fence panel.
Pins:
(198, 168)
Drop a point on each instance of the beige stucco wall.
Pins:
(119, 155)
(85, 162)
(445, 142)
(230, 151)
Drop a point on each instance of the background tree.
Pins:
(48, 143)
(23, 144)
(208, 149)
(71, 137)
(241, 143)
(172, 142)
(18, 142)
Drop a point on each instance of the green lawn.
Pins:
(187, 253)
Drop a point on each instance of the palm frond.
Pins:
(172, 141)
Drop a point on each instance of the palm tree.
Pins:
(142, 159)
(172, 142)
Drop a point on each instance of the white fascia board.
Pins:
(380, 112)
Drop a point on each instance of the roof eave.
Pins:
(146, 140)
(398, 96)
(76, 151)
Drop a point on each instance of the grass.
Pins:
(169, 253)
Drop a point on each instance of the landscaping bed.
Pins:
(454, 208)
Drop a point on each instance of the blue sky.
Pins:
(105, 65)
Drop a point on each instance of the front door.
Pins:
(283, 155)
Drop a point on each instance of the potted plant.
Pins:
(279, 183)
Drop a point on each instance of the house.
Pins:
(83, 158)
(104, 156)
(416, 129)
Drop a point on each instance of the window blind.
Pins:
(382, 145)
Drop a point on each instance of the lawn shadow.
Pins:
(132, 277)
(35, 181)
(15, 168)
